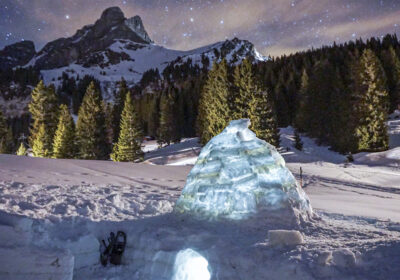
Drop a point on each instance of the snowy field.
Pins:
(53, 213)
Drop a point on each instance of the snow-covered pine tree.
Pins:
(214, 114)
(64, 139)
(128, 147)
(263, 118)
(371, 103)
(44, 110)
(91, 134)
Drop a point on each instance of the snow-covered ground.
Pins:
(53, 213)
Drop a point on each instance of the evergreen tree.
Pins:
(128, 147)
(371, 103)
(392, 70)
(21, 150)
(167, 130)
(243, 89)
(120, 98)
(6, 139)
(263, 119)
(108, 112)
(298, 144)
(300, 121)
(41, 146)
(44, 110)
(91, 134)
(213, 115)
(64, 139)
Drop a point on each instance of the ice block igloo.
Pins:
(239, 176)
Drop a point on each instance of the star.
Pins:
(67, 17)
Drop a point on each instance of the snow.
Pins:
(237, 176)
(183, 153)
(394, 129)
(142, 58)
(285, 237)
(54, 213)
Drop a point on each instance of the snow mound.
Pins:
(238, 176)
(386, 158)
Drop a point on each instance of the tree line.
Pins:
(53, 132)
(340, 95)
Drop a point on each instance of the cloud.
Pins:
(364, 26)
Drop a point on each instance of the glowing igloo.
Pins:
(238, 176)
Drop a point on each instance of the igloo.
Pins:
(239, 176)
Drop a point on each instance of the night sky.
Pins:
(274, 26)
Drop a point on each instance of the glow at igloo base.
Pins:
(238, 176)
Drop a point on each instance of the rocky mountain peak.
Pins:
(112, 16)
(135, 23)
(89, 43)
(16, 54)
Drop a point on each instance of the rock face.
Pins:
(238, 176)
(16, 54)
(115, 47)
(82, 47)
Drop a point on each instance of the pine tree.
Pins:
(298, 144)
(392, 70)
(120, 98)
(91, 134)
(41, 146)
(214, 114)
(166, 129)
(44, 110)
(128, 147)
(243, 89)
(262, 117)
(64, 139)
(300, 121)
(371, 103)
(6, 139)
(108, 112)
(21, 150)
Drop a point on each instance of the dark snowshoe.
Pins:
(105, 250)
(114, 250)
(118, 248)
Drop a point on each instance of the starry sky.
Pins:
(276, 27)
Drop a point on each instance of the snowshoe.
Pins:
(105, 250)
(118, 248)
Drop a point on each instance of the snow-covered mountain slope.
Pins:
(115, 47)
(135, 59)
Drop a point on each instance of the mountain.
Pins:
(16, 54)
(115, 47)
(83, 47)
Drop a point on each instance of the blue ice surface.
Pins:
(237, 175)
